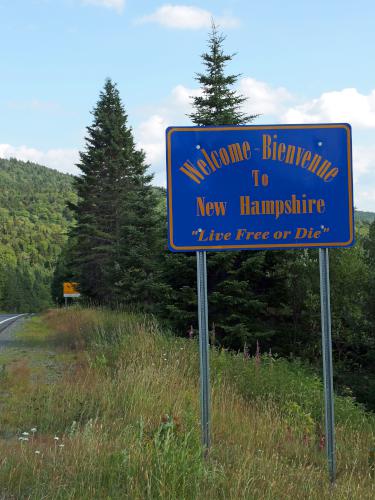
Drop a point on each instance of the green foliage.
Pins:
(34, 222)
(116, 233)
(247, 290)
(369, 249)
(292, 386)
(232, 302)
(219, 104)
(132, 431)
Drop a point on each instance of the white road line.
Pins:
(13, 317)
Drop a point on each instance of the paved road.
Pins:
(8, 319)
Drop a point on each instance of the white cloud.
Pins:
(364, 177)
(262, 98)
(63, 160)
(347, 105)
(150, 134)
(365, 197)
(181, 97)
(363, 160)
(187, 17)
(117, 5)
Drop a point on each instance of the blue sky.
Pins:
(300, 62)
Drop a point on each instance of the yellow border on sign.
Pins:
(260, 127)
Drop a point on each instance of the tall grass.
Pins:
(123, 422)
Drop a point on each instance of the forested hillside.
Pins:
(34, 219)
(364, 217)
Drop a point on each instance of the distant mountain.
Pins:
(367, 217)
(34, 221)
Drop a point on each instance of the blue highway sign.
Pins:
(259, 187)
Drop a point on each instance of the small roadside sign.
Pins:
(71, 289)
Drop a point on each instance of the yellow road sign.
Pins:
(71, 289)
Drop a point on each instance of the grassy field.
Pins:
(102, 405)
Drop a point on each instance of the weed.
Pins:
(101, 430)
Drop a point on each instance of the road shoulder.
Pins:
(8, 334)
(30, 342)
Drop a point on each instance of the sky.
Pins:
(299, 62)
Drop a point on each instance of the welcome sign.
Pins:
(259, 187)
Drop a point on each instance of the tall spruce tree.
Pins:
(369, 247)
(235, 305)
(247, 290)
(114, 239)
(219, 104)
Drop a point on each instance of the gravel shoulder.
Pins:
(29, 341)
(8, 337)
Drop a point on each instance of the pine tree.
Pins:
(369, 247)
(232, 302)
(114, 237)
(245, 288)
(219, 104)
(235, 304)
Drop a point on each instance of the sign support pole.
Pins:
(327, 361)
(203, 349)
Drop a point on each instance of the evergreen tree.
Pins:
(233, 301)
(369, 247)
(115, 236)
(235, 304)
(248, 291)
(219, 104)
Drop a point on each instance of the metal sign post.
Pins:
(203, 349)
(70, 289)
(327, 361)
